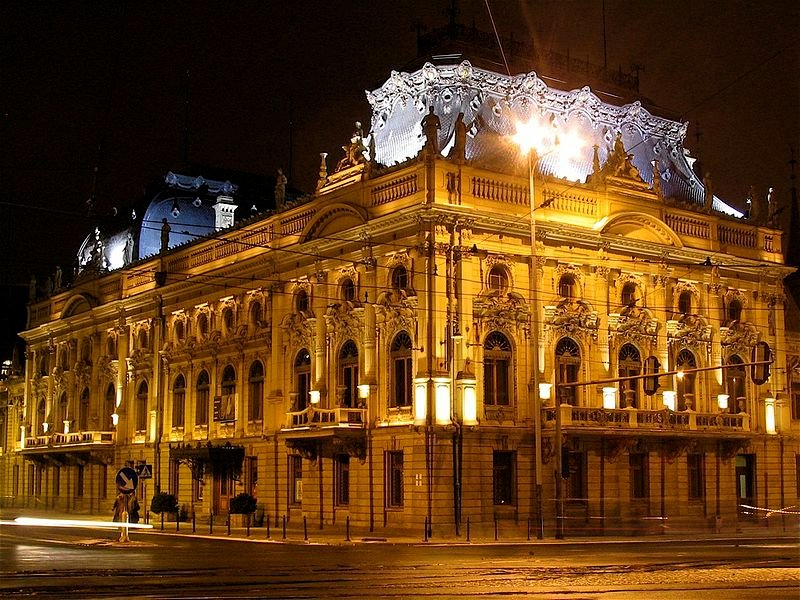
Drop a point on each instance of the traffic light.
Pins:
(651, 367)
(761, 353)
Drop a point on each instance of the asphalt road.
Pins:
(86, 564)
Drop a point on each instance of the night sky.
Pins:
(93, 95)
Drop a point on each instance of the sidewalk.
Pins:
(295, 533)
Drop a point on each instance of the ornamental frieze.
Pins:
(573, 318)
(739, 337)
(344, 321)
(298, 330)
(635, 325)
(507, 312)
(107, 367)
(690, 331)
(395, 311)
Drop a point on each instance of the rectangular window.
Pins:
(295, 479)
(56, 481)
(103, 481)
(696, 476)
(341, 480)
(201, 409)
(79, 481)
(577, 484)
(31, 479)
(503, 477)
(638, 475)
(250, 473)
(402, 382)
(197, 489)
(394, 479)
(174, 478)
(350, 381)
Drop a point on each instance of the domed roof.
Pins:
(186, 203)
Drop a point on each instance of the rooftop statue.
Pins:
(355, 153)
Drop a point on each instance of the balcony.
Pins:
(313, 418)
(75, 447)
(585, 418)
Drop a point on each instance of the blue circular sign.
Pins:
(127, 480)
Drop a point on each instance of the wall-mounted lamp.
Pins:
(769, 416)
(465, 388)
(722, 402)
(363, 391)
(45, 426)
(669, 399)
(22, 436)
(114, 419)
(420, 400)
(442, 397)
(609, 398)
(314, 396)
(66, 427)
(545, 389)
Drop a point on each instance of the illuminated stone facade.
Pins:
(367, 352)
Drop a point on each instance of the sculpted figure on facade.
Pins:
(430, 128)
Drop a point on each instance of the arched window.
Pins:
(140, 415)
(301, 302)
(399, 278)
(109, 407)
(255, 313)
(202, 325)
(180, 330)
(111, 345)
(567, 287)
(401, 370)
(41, 416)
(63, 358)
(83, 411)
(61, 413)
(629, 294)
(179, 402)
(497, 356)
(227, 411)
(228, 319)
(143, 342)
(348, 374)
(43, 364)
(498, 279)
(86, 350)
(568, 366)
(630, 365)
(685, 302)
(735, 380)
(685, 383)
(255, 392)
(348, 289)
(203, 391)
(734, 310)
(302, 378)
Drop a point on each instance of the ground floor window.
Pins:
(503, 477)
(695, 472)
(79, 481)
(174, 477)
(394, 479)
(295, 479)
(103, 481)
(341, 476)
(197, 489)
(251, 475)
(638, 475)
(577, 482)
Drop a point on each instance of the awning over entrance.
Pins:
(328, 442)
(223, 457)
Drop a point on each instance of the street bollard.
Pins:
(284, 526)
(178, 520)
(210, 522)
(162, 521)
(229, 523)
(347, 529)
(467, 528)
(495, 527)
(529, 529)
(268, 536)
(425, 533)
(248, 525)
(194, 522)
(305, 529)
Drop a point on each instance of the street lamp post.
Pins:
(536, 142)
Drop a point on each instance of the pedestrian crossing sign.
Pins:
(145, 471)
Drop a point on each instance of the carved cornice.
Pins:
(572, 318)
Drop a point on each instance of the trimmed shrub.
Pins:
(164, 503)
(243, 504)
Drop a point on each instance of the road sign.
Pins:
(127, 480)
(145, 471)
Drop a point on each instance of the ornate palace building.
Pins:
(450, 328)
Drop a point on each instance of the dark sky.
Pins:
(103, 84)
